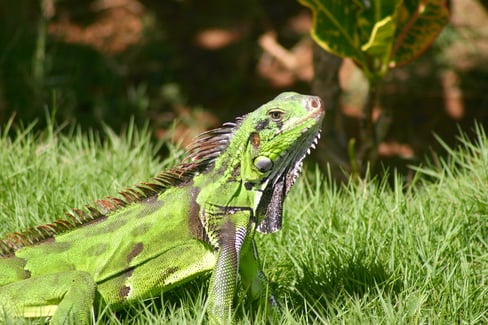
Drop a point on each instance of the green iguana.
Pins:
(197, 217)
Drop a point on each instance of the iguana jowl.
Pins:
(197, 217)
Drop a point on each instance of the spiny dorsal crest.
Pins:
(200, 157)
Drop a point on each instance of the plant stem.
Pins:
(368, 152)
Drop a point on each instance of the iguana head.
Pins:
(266, 148)
(282, 132)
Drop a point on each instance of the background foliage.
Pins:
(102, 62)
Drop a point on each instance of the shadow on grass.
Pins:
(318, 291)
(322, 286)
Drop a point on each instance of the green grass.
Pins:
(364, 253)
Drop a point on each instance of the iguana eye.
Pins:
(263, 164)
(276, 115)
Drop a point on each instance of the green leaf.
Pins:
(376, 34)
(419, 22)
(335, 27)
(378, 29)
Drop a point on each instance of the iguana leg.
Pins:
(223, 284)
(64, 296)
(232, 235)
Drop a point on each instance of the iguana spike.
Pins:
(209, 145)
(94, 212)
(21, 239)
(119, 203)
(137, 192)
(155, 188)
(128, 196)
(16, 238)
(72, 217)
(105, 206)
(46, 230)
(165, 179)
(4, 249)
(146, 190)
(62, 224)
(79, 215)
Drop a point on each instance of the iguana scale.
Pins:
(197, 217)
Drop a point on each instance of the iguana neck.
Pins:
(233, 173)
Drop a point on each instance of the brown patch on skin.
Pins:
(227, 243)
(97, 249)
(194, 223)
(124, 291)
(236, 173)
(111, 225)
(27, 274)
(141, 229)
(255, 140)
(227, 235)
(166, 273)
(135, 251)
(52, 246)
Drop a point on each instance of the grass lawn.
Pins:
(366, 252)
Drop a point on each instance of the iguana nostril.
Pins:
(316, 102)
